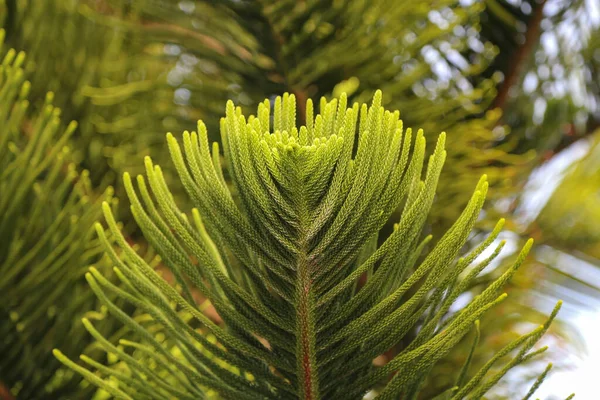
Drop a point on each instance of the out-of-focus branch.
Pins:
(571, 137)
(278, 42)
(521, 56)
(4, 393)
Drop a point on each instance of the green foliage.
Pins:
(68, 53)
(565, 218)
(161, 66)
(47, 210)
(549, 51)
(130, 70)
(289, 254)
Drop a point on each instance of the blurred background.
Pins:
(514, 83)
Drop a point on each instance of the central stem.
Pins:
(306, 362)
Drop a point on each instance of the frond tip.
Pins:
(286, 245)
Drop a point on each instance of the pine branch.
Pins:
(280, 252)
(47, 209)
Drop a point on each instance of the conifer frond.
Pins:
(282, 253)
(47, 210)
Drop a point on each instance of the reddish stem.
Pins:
(516, 66)
(5, 393)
